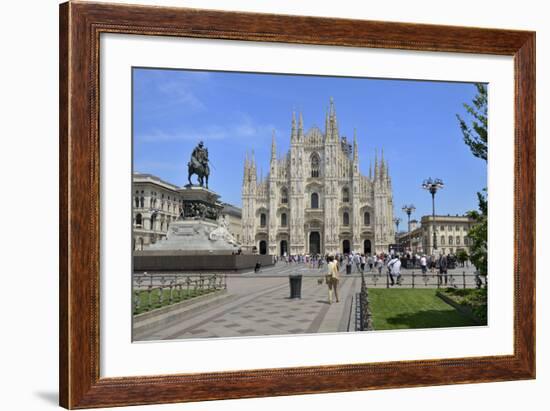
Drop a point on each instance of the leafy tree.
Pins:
(475, 134)
(478, 234)
(461, 256)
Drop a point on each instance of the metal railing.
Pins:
(364, 315)
(418, 280)
(151, 291)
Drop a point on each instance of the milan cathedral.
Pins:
(314, 200)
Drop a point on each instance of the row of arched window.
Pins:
(163, 223)
(315, 197)
(452, 239)
(284, 222)
(170, 204)
(263, 220)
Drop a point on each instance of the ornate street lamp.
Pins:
(409, 209)
(432, 186)
(396, 221)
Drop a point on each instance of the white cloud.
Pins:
(180, 94)
(245, 128)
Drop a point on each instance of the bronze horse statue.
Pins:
(202, 171)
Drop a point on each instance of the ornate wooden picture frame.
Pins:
(81, 25)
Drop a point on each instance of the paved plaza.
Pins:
(258, 304)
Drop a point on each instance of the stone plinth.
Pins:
(196, 237)
(179, 261)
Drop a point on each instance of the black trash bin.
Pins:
(348, 269)
(295, 285)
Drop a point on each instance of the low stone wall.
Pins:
(182, 261)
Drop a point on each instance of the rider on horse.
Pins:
(199, 164)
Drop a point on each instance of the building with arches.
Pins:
(157, 203)
(451, 234)
(315, 200)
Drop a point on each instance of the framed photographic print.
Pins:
(258, 205)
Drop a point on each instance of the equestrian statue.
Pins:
(199, 165)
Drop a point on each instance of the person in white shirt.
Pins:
(394, 267)
(332, 278)
(424, 264)
(357, 261)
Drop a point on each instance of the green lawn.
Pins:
(412, 308)
(155, 298)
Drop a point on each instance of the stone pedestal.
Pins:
(199, 203)
(196, 237)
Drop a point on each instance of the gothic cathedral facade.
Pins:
(314, 199)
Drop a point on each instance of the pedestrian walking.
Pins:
(379, 264)
(394, 269)
(443, 264)
(332, 279)
(370, 262)
(423, 264)
(357, 261)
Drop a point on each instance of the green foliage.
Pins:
(461, 255)
(475, 134)
(478, 234)
(475, 299)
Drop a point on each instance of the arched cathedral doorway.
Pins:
(367, 247)
(263, 247)
(346, 248)
(314, 243)
(284, 247)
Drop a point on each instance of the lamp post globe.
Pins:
(409, 209)
(432, 185)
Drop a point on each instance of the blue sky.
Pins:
(413, 121)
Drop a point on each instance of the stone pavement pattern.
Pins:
(261, 306)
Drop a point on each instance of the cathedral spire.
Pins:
(376, 171)
(246, 168)
(333, 121)
(273, 147)
(253, 166)
(382, 166)
(328, 130)
(273, 165)
(293, 132)
(355, 150)
(370, 170)
(301, 128)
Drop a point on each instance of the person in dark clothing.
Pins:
(257, 267)
(443, 264)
